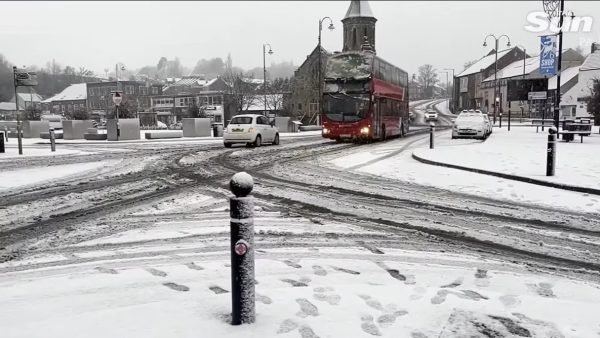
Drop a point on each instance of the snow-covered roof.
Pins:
(565, 76)
(592, 62)
(483, 63)
(8, 106)
(516, 69)
(77, 91)
(359, 9)
(24, 96)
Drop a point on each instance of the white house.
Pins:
(574, 101)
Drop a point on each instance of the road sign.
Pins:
(117, 97)
(548, 62)
(537, 95)
(24, 78)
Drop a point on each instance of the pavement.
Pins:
(520, 155)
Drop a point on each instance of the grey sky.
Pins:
(98, 34)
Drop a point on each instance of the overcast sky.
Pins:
(99, 34)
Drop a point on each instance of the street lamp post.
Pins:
(452, 97)
(496, 40)
(447, 85)
(524, 58)
(265, 73)
(330, 27)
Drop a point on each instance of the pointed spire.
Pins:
(359, 9)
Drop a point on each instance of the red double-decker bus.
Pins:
(364, 98)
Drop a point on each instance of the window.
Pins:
(155, 90)
(464, 84)
(218, 100)
(143, 90)
(300, 106)
(313, 107)
(129, 90)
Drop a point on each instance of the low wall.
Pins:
(129, 129)
(310, 128)
(196, 127)
(163, 134)
(74, 129)
(32, 129)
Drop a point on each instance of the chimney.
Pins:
(595, 47)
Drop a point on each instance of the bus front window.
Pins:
(346, 108)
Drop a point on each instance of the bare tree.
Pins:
(242, 92)
(427, 78)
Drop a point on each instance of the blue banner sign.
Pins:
(548, 59)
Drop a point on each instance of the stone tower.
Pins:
(358, 23)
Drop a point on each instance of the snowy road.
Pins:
(158, 207)
(296, 178)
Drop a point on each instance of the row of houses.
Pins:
(474, 86)
(153, 102)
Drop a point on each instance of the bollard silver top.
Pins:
(552, 130)
(431, 124)
(241, 184)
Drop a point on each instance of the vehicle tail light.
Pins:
(250, 130)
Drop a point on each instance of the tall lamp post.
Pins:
(496, 40)
(330, 27)
(452, 97)
(556, 8)
(524, 58)
(447, 85)
(265, 72)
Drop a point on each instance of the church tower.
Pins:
(358, 23)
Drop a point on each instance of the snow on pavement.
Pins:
(522, 152)
(357, 294)
(25, 177)
(397, 163)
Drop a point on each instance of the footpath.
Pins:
(520, 154)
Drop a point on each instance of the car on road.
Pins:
(470, 125)
(488, 123)
(431, 115)
(251, 129)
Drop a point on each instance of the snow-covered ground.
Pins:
(173, 280)
(12, 151)
(393, 159)
(31, 176)
(522, 152)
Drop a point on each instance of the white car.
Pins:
(470, 125)
(251, 129)
(431, 115)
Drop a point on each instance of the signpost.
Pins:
(117, 97)
(537, 95)
(22, 78)
(548, 55)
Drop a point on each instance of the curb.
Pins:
(591, 191)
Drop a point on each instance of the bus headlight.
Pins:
(364, 130)
(325, 131)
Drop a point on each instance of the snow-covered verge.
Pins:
(393, 159)
(522, 152)
(12, 151)
(173, 280)
(26, 177)
(443, 108)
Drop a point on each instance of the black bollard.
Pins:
(52, 140)
(551, 152)
(431, 130)
(500, 121)
(19, 138)
(2, 143)
(242, 250)
(509, 120)
(6, 133)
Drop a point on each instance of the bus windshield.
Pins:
(349, 66)
(345, 108)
